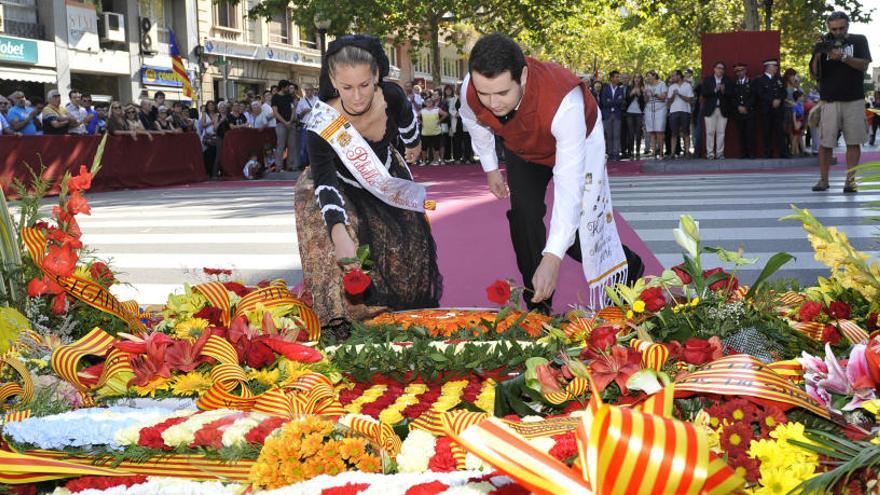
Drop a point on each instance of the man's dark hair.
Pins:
(678, 73)
(495, 54)
(72, 92)
(722, 64)
(36, 100)
(283, 83)
(613, 73)
(797, 94)
(86, 95)
(838, 15)
(160, 93)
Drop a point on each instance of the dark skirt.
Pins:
(404, 272)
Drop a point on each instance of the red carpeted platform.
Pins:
(473, 240)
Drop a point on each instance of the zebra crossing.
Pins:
(743, 211)
(159, 239)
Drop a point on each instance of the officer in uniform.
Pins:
(744, 112)
(770, 94)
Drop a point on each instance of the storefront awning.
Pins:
(31, 74)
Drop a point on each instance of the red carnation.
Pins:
(216, 271)
(682, 275)
(37, 287)
(442, 461)
(102, 482)
(356, 282)
(653, 298)
(237, 288)
(81, 182)
(77, 203)
(830, 335)
(432, 488)
(838, 310)
(565, 448)
(809, 311)
(736, 437)
(499, 292)
(728, 282)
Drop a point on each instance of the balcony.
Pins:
(24, 29)
(226, 34)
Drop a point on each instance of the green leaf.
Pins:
(773, 265)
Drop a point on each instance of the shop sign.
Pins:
(157, 76)
(18, 50)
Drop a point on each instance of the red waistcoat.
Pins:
(528, 133)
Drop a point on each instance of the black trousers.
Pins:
(528, 182)
(748, 136)
(774, 137)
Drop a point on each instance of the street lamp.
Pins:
(322, 24)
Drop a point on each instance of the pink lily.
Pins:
(859, 377)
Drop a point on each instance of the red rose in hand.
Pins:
(698, 351)
(728, 282)
(653, 298)
(809, 311)
(839, 310)
(81, 182)
(77, 203)
(682, 275)
(356, 282)
(602, 338)
(37, 287)
(499, 292)
(60, 260)
(830, 335)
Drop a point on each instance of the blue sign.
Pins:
(157, 76)
(18, 50)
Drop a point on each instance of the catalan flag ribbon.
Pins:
(178, 67)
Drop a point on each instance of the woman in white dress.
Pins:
(655, 111)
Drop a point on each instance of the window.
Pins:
(279, 28)
(226, 15)
(422, 62)
(391, 50)
(308, 37)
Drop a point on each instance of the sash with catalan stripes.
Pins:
(362, 162)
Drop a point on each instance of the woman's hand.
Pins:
(413, 154)
(343, 246)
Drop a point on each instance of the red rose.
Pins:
(602, 338)
(728, 282)
(499, 292)
(212, 314)
(59, 304)
(809, 311)
(698, 351)
(259, 355)
(76, 203)
(356, 282)
(442, 461)
(830, 335)
(432, 488)
(871, 323)
(101, 273)
(838, 310)
(682, 275)
(37, 287)
(653, 298)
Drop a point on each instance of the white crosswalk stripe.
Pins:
(743, 211)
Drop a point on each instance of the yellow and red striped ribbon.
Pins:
(812, 329)
(65, 359)
(16, 469)
(577, 387)
(216, 294)
(276, 294)
(744, 375)
(85, 290)
(24, 390)
(791, 369)
(15, 416)
(380, 433)
(654, 355)
(853, 332)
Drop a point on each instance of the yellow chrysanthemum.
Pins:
(265, 377)
(776, 481)
(639, 306)
(154, 386)
(190, 329)
(191, 384)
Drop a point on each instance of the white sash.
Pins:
(360, 159)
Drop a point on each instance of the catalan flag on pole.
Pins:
(178, 67)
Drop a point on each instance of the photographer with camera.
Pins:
(839, 63)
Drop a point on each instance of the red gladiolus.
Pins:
(63, 238)
(346, 489)
(61, 215)
(81, 182)
(356, 282)
(682, 275)
(60, 260)
(653, 299)
(59, 304)
(830, 335)
(839, 310)
(77, 203)
(809, 311)
(37, 287)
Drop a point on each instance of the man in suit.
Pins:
(744, 112)
(716, 90)
(611, 102)
(770, 94)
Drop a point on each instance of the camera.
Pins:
(828, 43)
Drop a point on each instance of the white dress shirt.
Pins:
(303, 105)
(269, 114)
(569, 174)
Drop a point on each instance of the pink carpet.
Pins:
(473, 240)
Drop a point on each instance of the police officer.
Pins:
(770, 94)
(744, 112)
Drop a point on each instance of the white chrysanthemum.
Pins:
(544, 444)
(234, 434)
(184, 433)
(416, 452)
(481, 488)
(474, 463)
(532, 419)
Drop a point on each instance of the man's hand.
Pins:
(544, 280)
(412, 154)
(497, 185)
(836, 54)
(776, 103)
(742, 109)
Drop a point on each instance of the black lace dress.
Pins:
(404, 271)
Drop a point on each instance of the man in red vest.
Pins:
(549, 125)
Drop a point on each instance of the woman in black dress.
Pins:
(335, 214)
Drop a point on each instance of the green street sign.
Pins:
(221, 62)
(18, 50)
